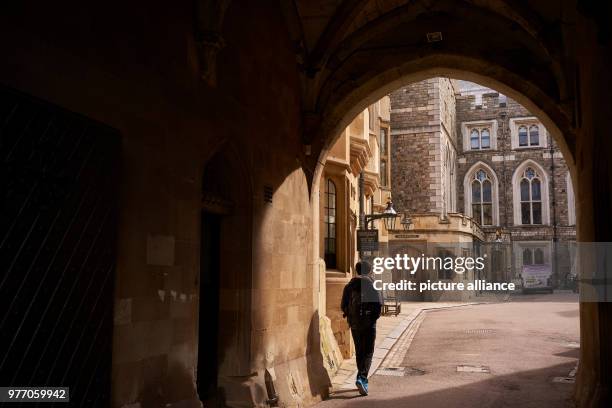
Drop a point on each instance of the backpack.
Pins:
(359, 313)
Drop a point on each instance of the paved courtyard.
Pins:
(519, 353)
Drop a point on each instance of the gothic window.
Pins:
(533, 256)
(479, 135)
(482, 198)
(531, 197)
(526, 132)
(530, 194)
(480, 138)
(534, 135)
(330, 224)
(522, 133)
(481, 192)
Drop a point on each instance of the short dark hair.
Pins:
(362, 268)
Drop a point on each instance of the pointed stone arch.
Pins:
(467, 189)
(224, 321)
(517, 176)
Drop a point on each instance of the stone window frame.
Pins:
(520, 246)
(528, 121)
(466, 129)
(516, 192)
(467, 190)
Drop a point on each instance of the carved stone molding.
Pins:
(360, 154)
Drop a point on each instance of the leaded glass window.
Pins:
(330, 224)
(531, 197)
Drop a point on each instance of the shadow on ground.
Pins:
(532, 388)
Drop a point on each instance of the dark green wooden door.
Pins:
(57, 249)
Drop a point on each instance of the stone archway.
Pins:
(366, 51)
(454, 67)
(277, 62)
(566, 144)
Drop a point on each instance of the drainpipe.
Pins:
(504, 116)
(504, 143)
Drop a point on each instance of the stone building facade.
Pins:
(424, 147)
(363, 147)
(532, 198)
(460, 148)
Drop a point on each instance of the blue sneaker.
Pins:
(362, 386)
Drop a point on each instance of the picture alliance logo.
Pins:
(412, 264)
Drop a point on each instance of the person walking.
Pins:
(362, 305)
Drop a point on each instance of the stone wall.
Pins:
(504, 160)
(415, 155)
(430, 161)
(121, 64)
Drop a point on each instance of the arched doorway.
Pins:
(224, 279)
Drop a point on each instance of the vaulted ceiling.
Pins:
(347, 49)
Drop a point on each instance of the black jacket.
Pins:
(370, 302)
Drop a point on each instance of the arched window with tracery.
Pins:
(482, 198)
(481, 194)
(531, 197)
(330, 224)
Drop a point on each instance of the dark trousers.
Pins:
(364, 348)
